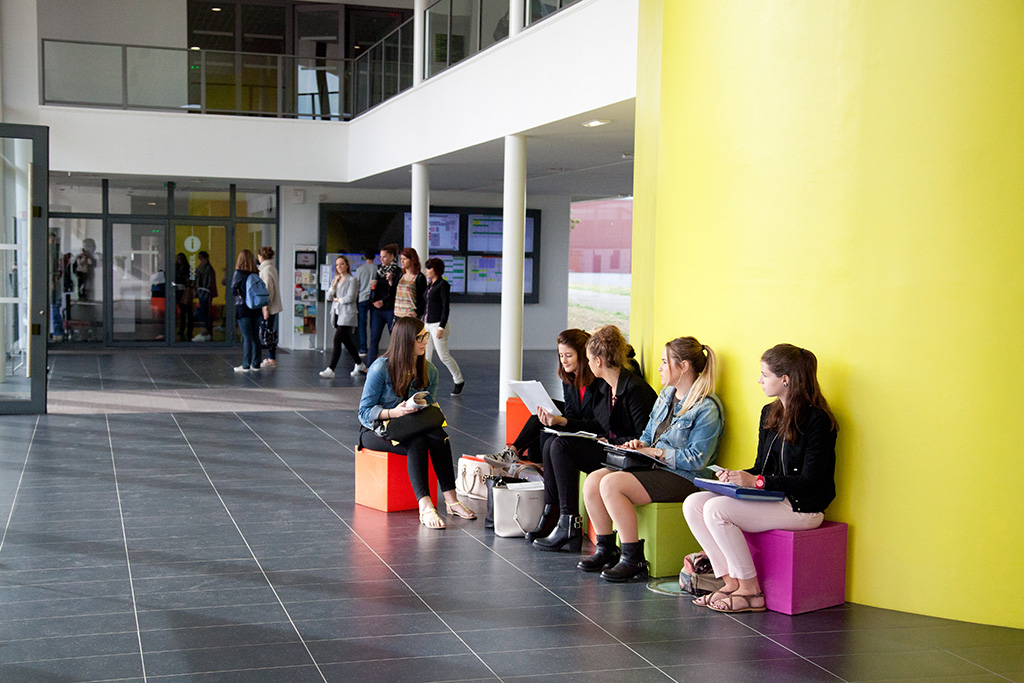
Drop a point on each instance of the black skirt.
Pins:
(664, 486)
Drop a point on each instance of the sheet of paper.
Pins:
(581, 435)
(533, 394)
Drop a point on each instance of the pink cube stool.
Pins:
(801, 571)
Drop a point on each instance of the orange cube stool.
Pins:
(516, 415)
(382, 481)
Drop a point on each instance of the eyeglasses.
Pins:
(423, 336)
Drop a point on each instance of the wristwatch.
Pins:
(759, 482)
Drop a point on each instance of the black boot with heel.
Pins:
(545, 525)
(632, 565)
(605, 557)
(569, 531)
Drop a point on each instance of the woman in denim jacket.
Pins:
(683, 433)
(390, 381)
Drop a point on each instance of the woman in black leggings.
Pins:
(390, 381)
(621, 409)
(344, 291)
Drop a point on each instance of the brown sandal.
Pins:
(749, 603)
(706, 599)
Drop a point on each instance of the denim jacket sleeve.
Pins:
(377, 393)
(431, 383)
(691, 442)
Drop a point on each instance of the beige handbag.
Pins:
(516, 511)
(470, 482)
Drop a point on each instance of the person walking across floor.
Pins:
(437, 309)
(364, 276)
(344, 292)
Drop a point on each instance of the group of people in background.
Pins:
(379, 295)
(679, 428)
(251, 319)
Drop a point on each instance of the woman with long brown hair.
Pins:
(390, 381)
(410, 295)
(796, 454)
(579, 391)
(247, 318)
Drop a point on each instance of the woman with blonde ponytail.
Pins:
(682, 432)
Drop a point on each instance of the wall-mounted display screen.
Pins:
(467, 239)
(485, 234)
(484, 275)
(443, 231)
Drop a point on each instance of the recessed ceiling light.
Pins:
(594, 123)
(151, 203)
(194, 47)
(215, 9)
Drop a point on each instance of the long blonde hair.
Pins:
(702, 360)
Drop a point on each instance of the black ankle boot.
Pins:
(631, 566)
(545, 525)
(568, 532)
(605, 557)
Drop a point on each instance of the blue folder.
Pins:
(738, 492)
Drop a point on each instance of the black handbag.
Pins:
(267, 335)
(403, 428)
(624, 462)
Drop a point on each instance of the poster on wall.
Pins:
(305, 296)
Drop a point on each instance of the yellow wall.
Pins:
(849, 177)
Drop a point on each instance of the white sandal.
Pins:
(430, 519)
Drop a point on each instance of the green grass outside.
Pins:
(602, 289)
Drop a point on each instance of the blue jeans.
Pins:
(250, 347)
(378, 319)
(203, 313)
(362, 320)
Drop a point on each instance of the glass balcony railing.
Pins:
(255, 84)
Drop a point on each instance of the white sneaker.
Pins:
(254, 368)
(241, 369)
(357, 369)
(201, 337)
(327, 374)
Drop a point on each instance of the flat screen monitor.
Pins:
(483, 275)
(454, 272)
(443, 232)
(485, 233)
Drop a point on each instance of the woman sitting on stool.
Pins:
(390, 380)
(621, 409)
(683, 432)
(796, 454)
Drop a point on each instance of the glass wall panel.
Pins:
(75, 194)
(140, 288)
(201, 201)
(260, 82)
(79, 72)
(405, 56)
(15, 268)
(138, 198)
(200, 314)
(538, 9)
(493, 21)
(600, 263)
(437, 37)
(253, 236)
(157, 77)
(465, 29)
(222, 74)
(255, 203)
(77, 273)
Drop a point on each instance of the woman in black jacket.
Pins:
(796, 454)
(621, 409)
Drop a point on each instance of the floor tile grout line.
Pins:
(127, 556)
(21, 478)
(99, 371)
(246, 542)
(148, 374)
(370, 548)
(570, 605)
(189, 366)
(983, 668)
(770, 639)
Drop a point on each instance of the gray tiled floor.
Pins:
(223, 544)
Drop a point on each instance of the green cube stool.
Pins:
(667, 537)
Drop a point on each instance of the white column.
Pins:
(516, 16)
(419, 28)
(512, 245)
(420, 209)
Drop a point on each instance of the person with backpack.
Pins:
(269, 275)
(250, 297)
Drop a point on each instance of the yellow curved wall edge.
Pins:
(849, 177)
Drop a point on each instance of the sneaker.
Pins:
(241, 368)
(504, 457)
(327, 373)
(201, 337)
(269, 363)
(254, 368)
(357, 369)
(457, 389)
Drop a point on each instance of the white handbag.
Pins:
(471, 482)
(516, 511)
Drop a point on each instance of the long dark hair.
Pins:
(802, 367)
(414, 259)
(577, 341)
(404, 366)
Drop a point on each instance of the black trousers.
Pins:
(564, 458)
(345, 335)
(433, 446)
(532, 437)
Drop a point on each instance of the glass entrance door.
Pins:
(201, 264)
(140, 282)
(23, 270)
